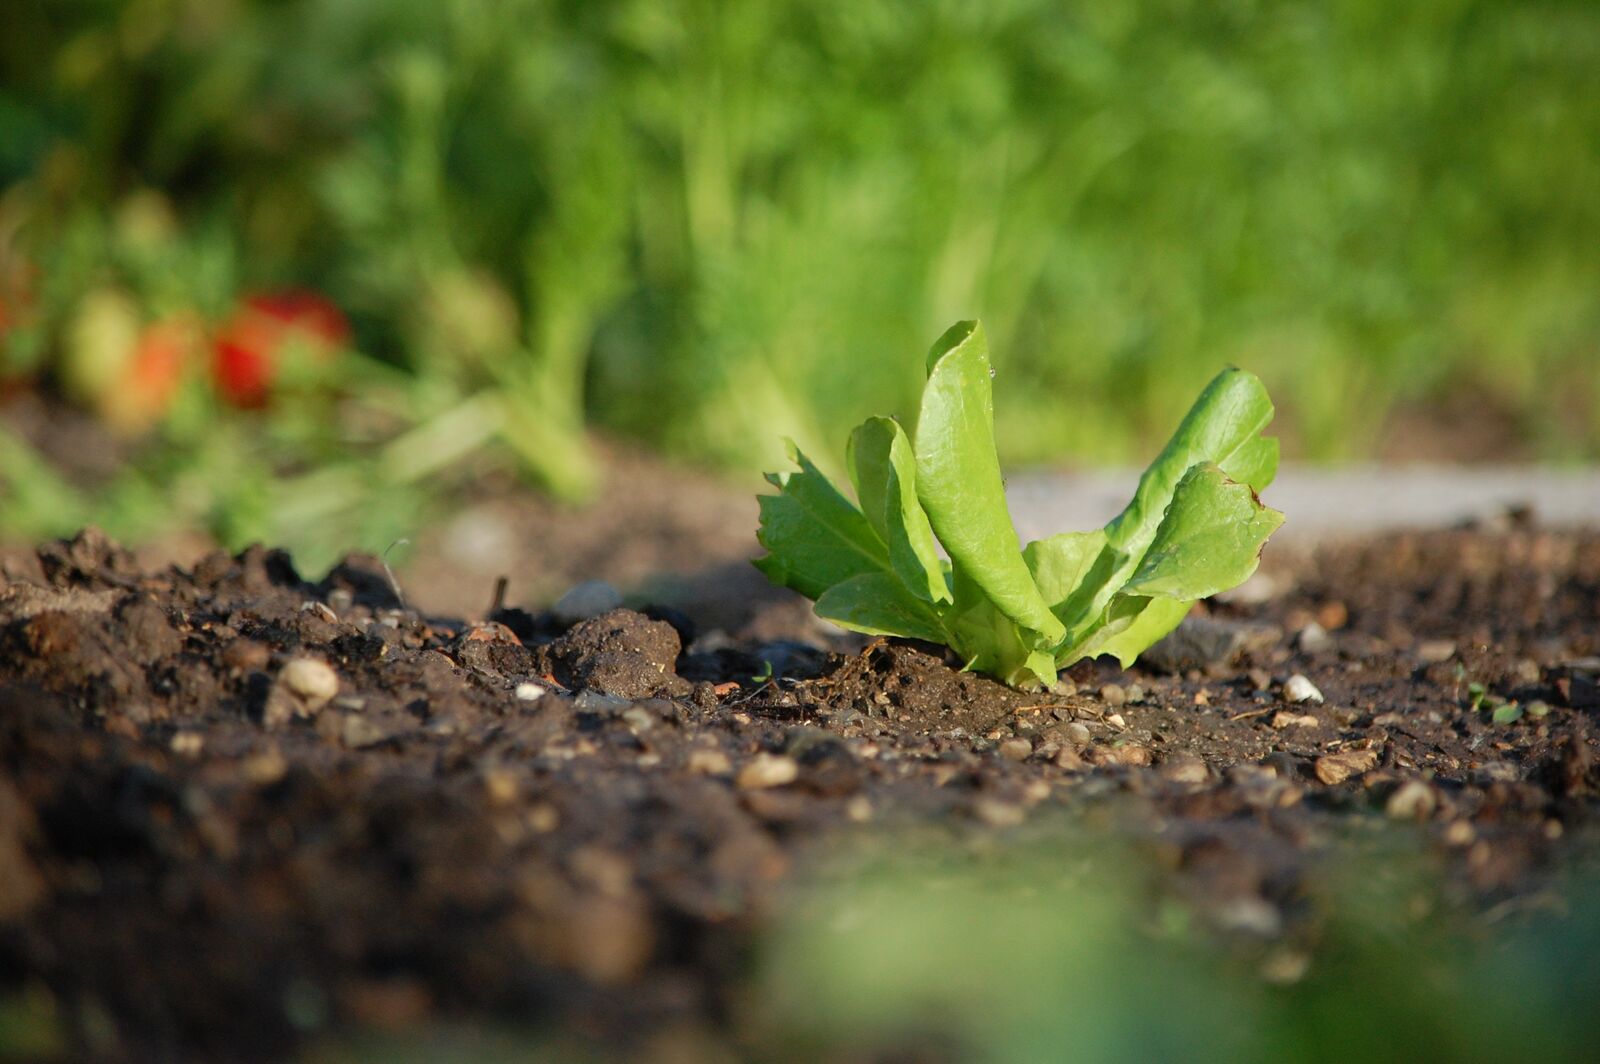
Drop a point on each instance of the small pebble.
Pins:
(1333, 615)
(1113, 695)
(321, 610)
(639, 718)
(1068, 759)
(529, 692)
(1285, 967)
(358, 732)
(709, 762)
(1016, 749)
(1334, 769)
(312, 681)
(1281, 720)
(998, 814)
(246, 655)
(1413, 800)
(592, 701)
(1185, 768)
(501, 784)
(1076, 734)
(1313, 639)
(265, 768)
(188, 744)
(768, 770)
(1300, 689)
(303, 687)
(1249, 914)
(1130, 755)
(1435, 651)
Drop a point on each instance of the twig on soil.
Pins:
(1251, 713)
(394, 585)
(1042, 706)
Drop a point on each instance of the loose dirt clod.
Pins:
(621, 653)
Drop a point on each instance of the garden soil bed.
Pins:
(240, 810)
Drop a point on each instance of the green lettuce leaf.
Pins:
(814, 536)
(884, 471)
(1195, 527)
(879, 604)
(959, 482)
(1209, 540)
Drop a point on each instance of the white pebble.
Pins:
(1300, 689)
(768, 770)
(312, 681)
(529, 692)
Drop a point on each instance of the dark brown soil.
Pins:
(205, 856)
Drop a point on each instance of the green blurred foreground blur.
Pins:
(707, 224)
(1067, 947)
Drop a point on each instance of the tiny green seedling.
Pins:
(1195, 527)
(1501, 710)
(1507, 713)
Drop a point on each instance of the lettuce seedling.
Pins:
(1195, 527)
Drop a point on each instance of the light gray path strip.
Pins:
(1333, 501)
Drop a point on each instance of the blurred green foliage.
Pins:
(709, 223)
(1065, 945)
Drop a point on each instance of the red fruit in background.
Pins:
(248, 349)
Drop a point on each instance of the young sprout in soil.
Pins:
(1195, 527)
